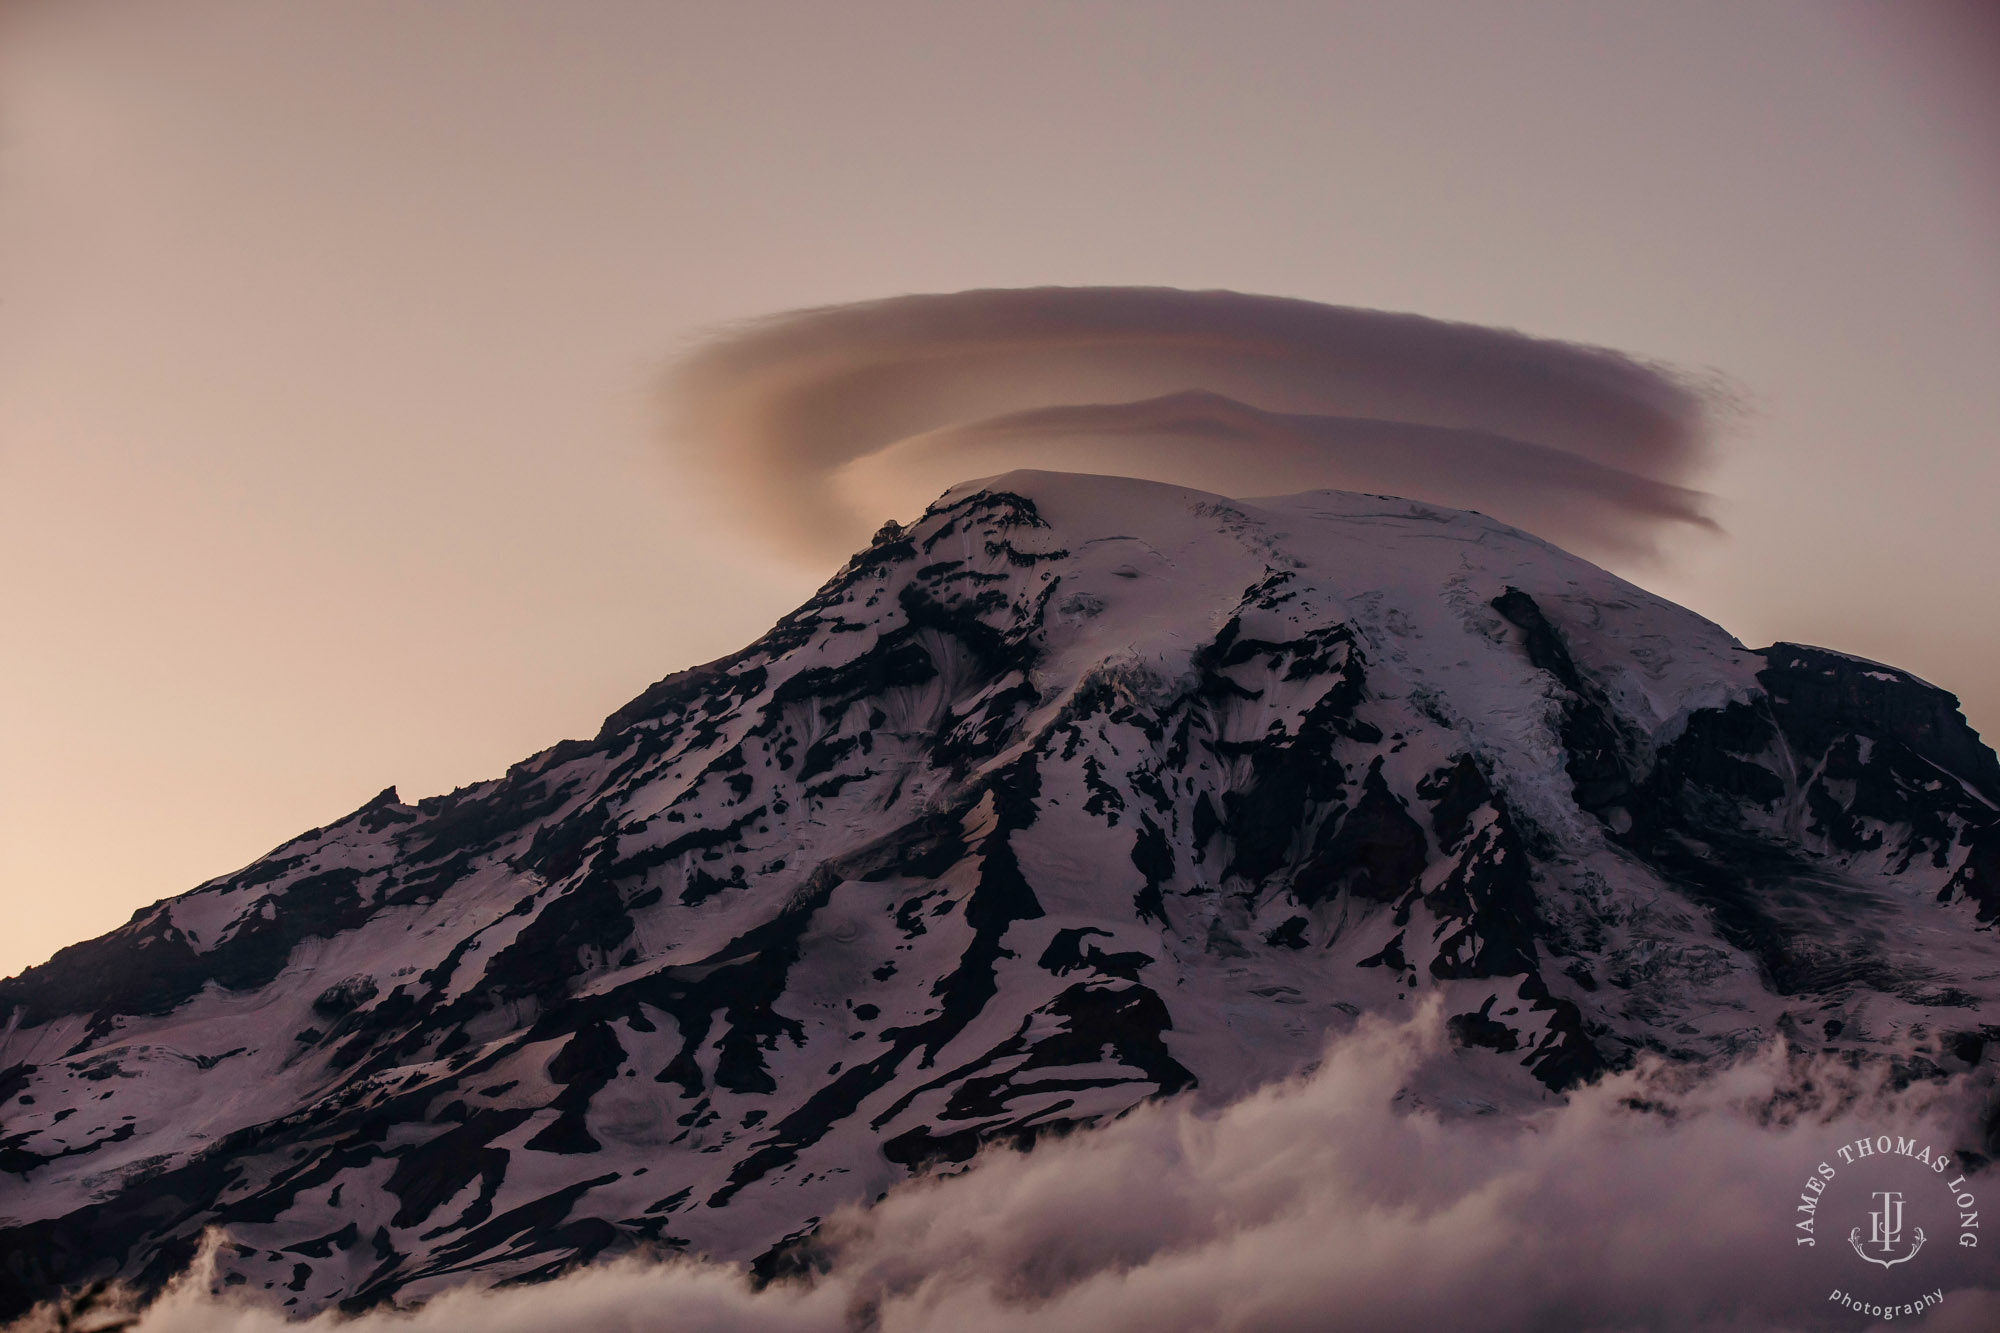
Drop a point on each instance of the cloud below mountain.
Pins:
(820, 421)
(1658, 1199)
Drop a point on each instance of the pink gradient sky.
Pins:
(329, 332)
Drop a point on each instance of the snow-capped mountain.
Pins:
(1080, 791)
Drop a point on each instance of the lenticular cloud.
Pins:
(1656, 1199)
(821, 420)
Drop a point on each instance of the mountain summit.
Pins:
(1080, 791)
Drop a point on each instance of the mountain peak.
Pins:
(1078, 791)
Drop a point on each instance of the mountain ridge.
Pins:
(1076, 792)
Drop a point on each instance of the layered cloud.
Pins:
(1366, 1195)
(822, 421)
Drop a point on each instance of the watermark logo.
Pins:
(1888, 1196)
(1947, 1194)
(1886, 1230)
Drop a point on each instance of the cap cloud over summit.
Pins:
(819, 420)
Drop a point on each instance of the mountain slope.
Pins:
(1080, 791)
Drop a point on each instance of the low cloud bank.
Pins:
(821, 420)
(1657, 1199)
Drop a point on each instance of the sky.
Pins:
(332, 335)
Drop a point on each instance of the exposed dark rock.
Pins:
(1595, 763)
(1375, 851)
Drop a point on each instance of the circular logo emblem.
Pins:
(1891, 1207)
